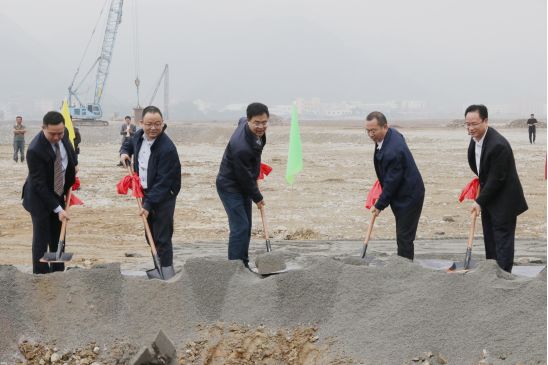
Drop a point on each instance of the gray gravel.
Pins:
(381, 314)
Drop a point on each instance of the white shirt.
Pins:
(479, 145)
(64, 163)
(379, 145)
(144, 156)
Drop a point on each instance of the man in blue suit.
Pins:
(237, 178)
(400, 179)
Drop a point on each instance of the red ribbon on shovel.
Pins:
(265, 170)
(470, 191)
(127, 182)
(373, 195)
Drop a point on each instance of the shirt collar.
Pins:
(144, 137)
(379, 144)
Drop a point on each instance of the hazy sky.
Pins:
(448, 53)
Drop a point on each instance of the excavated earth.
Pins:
(324, 310)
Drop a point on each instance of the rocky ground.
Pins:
(329, 308)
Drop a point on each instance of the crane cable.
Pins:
(136, 51)
(89, 42)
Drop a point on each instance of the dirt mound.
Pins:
(455, 123)
(243, 345)
(383, 314)
(303, 234)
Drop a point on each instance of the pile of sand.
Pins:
(382, 314)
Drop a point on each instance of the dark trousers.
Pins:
(45, 233)
(160, 221)
(407, 222)
(19, 149)
(238, 210)
(499, 240)
(532, 133)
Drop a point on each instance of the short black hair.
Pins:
(381, 119)
(532, 114)
(53, 118)
(480, 108)
(255, 109)
(17, 117)
(152, 110)
(127, 117)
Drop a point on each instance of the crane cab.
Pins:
(91, 111)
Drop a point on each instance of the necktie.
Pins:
(58, 172)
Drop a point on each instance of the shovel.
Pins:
(60, 256)
(368, 235)
(265, 229)
(468, 256)
(158, 272)
(268, 263)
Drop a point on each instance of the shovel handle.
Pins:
(369, 230)
(63, 233)
(265, 225)
(472, 231)
(140, 205)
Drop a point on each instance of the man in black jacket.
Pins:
(532, 128)
(501, 197)
(237, 179)
(156, 160)
(52, 164)
(400, 179)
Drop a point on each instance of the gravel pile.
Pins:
(382, 314)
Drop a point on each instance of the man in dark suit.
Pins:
(400, 179)
(157, 162)
(237, 178)
(501, 197)
(52, 165)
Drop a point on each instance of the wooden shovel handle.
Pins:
(64, 222)
(140, 205)
(472, 230)
(369, 230)
(265, 225)
(472, 225)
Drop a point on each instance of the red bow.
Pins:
(470, 191)
(373, 195)
(265, 170)
(76, 185)
(74, 200)
(130, 182)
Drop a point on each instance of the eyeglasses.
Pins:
(156, 125)
(473, 125)
(260, 124)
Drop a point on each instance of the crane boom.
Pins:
(165, 78)
(113, 21)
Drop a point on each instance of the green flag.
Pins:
(295, 154)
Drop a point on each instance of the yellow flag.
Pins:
(68, 121)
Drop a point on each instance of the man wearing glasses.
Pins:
(501, 198)
(237, 178)
(156, 160)
(400, 179)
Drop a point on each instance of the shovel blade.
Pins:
(467, 258)
(364, 250)
(165, 273)
(51, 257)
(154, 274)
